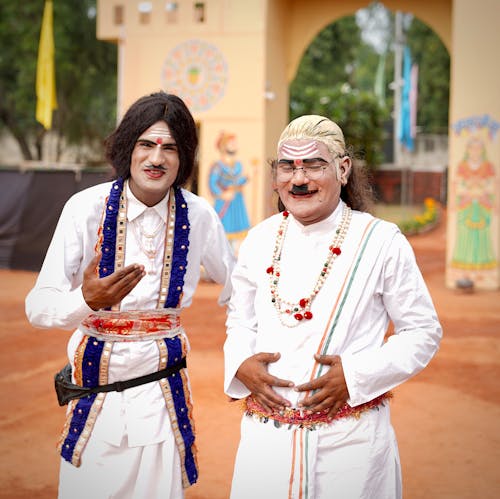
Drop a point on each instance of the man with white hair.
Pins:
(314, 290)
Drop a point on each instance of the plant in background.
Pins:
(424, 221)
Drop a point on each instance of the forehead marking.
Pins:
(157, 134)
(299, 152)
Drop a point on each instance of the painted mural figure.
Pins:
(475, 198)
(226, 182)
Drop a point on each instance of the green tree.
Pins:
(433, 60)
(428, 52)
(357, 113)
(328, 58)
(335, 79)
(19, 27)
(85, 75)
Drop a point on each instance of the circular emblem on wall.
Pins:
(197, 72)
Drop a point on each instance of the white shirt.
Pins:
(56, 301)
(387, 285)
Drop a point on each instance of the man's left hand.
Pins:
(329, 390)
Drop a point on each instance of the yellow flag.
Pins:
(45, 71)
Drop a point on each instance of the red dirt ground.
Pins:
(446, 418)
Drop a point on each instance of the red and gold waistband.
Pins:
(301, 418)
(133, 325)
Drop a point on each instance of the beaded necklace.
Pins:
(301, 310)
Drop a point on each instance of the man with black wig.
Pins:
(124, 261)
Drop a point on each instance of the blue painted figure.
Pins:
(226, 182)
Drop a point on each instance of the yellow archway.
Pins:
(311, 17)
(257, 47)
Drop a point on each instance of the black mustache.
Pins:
(300, 189)
(156, 167)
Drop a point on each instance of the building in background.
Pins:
(233, 60)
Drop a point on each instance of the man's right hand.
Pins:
(102, 293)
(254, 375)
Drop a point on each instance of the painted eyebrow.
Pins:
(314, 160)
(307, 161)
(147, 141)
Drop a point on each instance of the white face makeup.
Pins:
(157, 134)
(306, 150)
(308, 200)
(154, 164)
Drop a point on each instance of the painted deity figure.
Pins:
(226, 182)
(475, 199)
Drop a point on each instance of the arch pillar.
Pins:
(473, 221)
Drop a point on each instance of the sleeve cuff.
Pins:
(234, 356)
(79, 307)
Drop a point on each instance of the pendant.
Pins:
(152, 270)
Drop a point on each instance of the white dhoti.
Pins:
(136, 443)
(123, 472)
(350, 458)
(374, 280)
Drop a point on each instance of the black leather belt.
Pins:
(66, 390)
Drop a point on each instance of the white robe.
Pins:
(374, 280)
(133, 429)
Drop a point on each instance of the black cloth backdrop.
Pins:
(30, 204)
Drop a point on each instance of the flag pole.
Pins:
(398, 58)
(398, 83)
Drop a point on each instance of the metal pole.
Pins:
(398, 58)
(398, 83)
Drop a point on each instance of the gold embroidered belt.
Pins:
(301, 417)
(133, 325)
